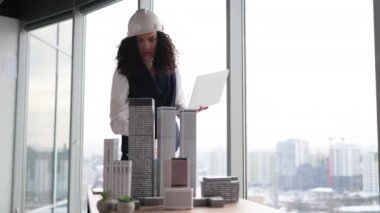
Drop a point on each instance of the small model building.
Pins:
(213, 202)
(176, 172)
(177, 193)
(166, 139)
(141, 146)
(116, 174)
(178, 198)
(226, 187)
(188, 141)
(176, 190)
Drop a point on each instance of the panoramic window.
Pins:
(311, 105)
(102, 41)
(199, 33)
(48, 123)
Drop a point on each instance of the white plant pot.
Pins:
(126, 207)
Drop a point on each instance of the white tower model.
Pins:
(141, 146)
(188, 139)
(166, 139)
(116, 174)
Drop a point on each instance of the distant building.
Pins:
(321, 194)
(62, 172)
(39, 176)
(344, 167)
(290, 154)
(214, 159)
(261, 168)
(320, 167)
(313, 174)
(370, 166)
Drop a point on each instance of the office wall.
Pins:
(9, 31)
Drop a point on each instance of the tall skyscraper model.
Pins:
(141, 146)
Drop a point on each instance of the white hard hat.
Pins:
(144, 21)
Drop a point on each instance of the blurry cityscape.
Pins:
(47, 180)
(292, 177)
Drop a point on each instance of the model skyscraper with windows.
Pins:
(226, 187)
(175, 178)
(141, 146)
(116, 174)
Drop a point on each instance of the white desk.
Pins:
(243, 206)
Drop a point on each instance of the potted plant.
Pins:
(106, 204)
(126, 204)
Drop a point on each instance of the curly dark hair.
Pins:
(130, 64)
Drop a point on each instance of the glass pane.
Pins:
(65, 35)
(311, 105)
(48, 127)
(63, 126)
(102, 41)
(47, 34)
(40, 126)
(199, 34)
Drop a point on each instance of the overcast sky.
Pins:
(310, 67)
(311, 71)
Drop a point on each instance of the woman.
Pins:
(146, 68)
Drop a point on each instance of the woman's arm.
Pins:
(119, 113)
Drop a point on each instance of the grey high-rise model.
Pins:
(141, 146)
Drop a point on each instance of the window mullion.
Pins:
(76, 127)
(236, 143)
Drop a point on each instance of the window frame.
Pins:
(236, 102)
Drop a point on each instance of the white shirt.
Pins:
(119, 112)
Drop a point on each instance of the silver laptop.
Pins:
(208, 89)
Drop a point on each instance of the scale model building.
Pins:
(174, 172)
(188, 141)
(116, 173)
(176, 190)
(226, 187)
(161, 174)
(178, 198)
(141, 146)
(166, 139)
